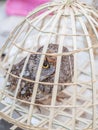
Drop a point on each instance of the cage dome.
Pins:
(49, 75)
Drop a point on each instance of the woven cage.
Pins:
(66, 23)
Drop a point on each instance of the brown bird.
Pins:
(47, 74)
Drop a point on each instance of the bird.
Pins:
(47, 74)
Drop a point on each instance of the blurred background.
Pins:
(13, 11)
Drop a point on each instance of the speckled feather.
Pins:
(47, 74)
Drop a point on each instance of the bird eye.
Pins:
(45, 65)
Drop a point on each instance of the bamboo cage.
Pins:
(67, 23)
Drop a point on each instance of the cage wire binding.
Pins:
(67, 23)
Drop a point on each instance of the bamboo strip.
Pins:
(46, 83)
(92, 64)
(39, 72)
(75, 69)
(93, 74)
(56, 54)
(56, 79)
